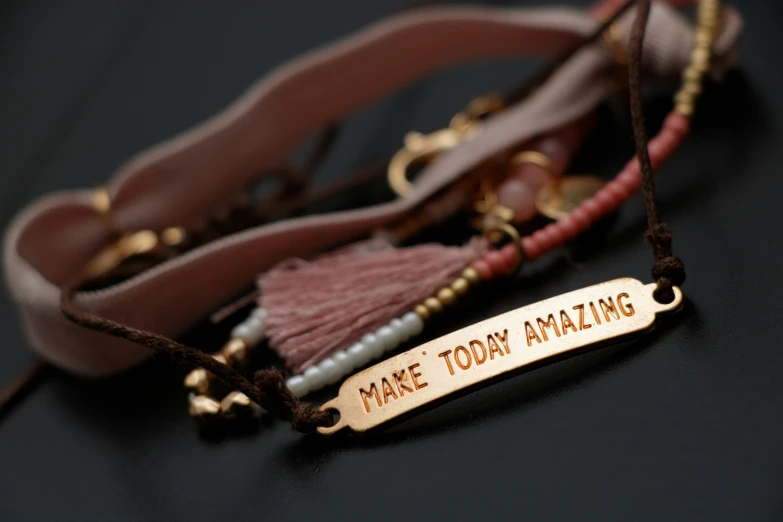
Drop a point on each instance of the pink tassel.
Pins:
(321, 306)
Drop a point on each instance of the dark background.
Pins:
(684, 424)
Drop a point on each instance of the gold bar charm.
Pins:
(498, 347)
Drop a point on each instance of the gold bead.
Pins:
(685, 109)
(235, 351)
(237, 404)
(173, 236)
(197, 380)
(692, 74)
(471, 275)
(460, 286)
(433, 305)
(692, 88)
(219, 357)
(422, 312)
(204, 409)
(700, 56)
(703, 38)
(446, 296)
(683, 97)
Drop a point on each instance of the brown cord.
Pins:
(268, 392)
(523, 90)
(21, 386)
(668, 270)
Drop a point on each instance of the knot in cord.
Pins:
(281, 402)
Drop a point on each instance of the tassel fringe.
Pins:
(321, 306)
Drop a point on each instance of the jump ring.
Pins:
(512, 234)
(536, 158)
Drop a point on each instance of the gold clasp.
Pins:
(126, 245)
(423, 148)
(132, 244)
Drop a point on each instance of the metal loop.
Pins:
(536, 158)
(515, 238)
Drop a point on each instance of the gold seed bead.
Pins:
(446, 296)
(204, 409)
(702, 67)
(460, 286)
(692, 74)
(433, 305)
(471, 275)
(703, 39)
(422, 311)
(219, 357)
(684, 109)
(683, 98)
(700, 56)
(692, 88)
(235, 351)
(197, 381)
(237, 404)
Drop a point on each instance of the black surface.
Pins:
(685, 424)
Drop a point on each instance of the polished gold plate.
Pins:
(496, 348)
(561, 196)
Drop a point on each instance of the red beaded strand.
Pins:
(501, 262)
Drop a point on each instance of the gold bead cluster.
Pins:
(447, 295)
(235, 405)
(708, 20)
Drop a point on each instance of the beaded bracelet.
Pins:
(495, 263)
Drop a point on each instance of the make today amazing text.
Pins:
(496, 346)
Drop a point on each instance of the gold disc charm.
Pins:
(496, 348)
(561, 196)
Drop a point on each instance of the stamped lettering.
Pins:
(497, 347)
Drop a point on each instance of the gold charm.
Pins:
(561, 196)
(498, 347)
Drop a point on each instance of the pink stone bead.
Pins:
(554, 235)
(670, 141)
(483, 269)
(530, 247)
(618, 190)
(568, 229)
(496, 262)
(542, 240)
(677, 123)
(557, 152)
(606, 201)
(630, 179)
(519, 197)
(580, 218)
(535, 177)
(592, 209)
(656, 150)
(510, 255)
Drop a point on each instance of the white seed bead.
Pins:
(344, 363)
(257, 326)
(359, 355)
(413, 323)
(373, 345)
(298, 386)
(241, 331)
(314, 378)
(399, 328)
(259, 312)
(251, 330)
(331, 371)
(388, 338)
